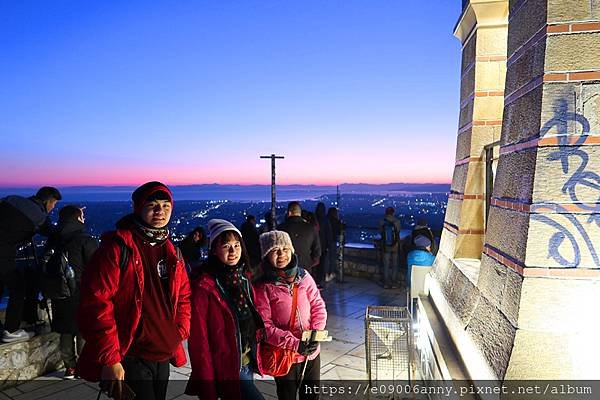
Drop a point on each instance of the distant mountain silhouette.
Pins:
(216, 191)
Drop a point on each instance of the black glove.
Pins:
(307, 348)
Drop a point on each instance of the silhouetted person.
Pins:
(192, 245)
(326, 239)
(336, 228)
(268, 225)
(304, 236)
(309, 217)
(20, 219)
(334, 220)
(71, 239)
(250, 238)
(389, 228)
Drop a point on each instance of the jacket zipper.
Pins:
(237, 325)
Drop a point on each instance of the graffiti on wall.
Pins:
(571, 235)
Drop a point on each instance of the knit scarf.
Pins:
(231, 278)
(153, 235)
(286, 274)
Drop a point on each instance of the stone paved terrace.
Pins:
(343, 358)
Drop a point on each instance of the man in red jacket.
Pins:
(135, 301)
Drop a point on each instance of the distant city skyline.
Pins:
(115, 93)
(235, 192)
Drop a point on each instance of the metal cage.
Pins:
(388, 344)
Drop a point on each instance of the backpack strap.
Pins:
(123, 253)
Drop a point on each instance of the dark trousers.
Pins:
(323, 267)
(147, 379)
(32, 293)
(287, 386)
(14, 281)
(70, 348)
(333, 261)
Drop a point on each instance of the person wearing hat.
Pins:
(420, 254)
(134, 310)
(282, 276)
(225, 326)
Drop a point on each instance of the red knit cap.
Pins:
(141, 195)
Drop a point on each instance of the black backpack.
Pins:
(390, 234)
(58, 276)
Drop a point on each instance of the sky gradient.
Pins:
(114, 93)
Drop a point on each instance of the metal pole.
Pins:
(273, 201)
(273, 197)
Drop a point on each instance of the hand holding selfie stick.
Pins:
(310, 337)
(112, 382)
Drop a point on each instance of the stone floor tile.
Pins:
(63, 390)
(358, 351)
(177, 376)
(10, 392)
(352, 362)
(327, 367)
(343, 373)
(185, 397)
(267, 388)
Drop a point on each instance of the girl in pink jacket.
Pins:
(274, 303)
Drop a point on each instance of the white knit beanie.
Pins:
(218, 226)
(272, 239)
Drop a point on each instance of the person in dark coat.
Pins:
(305, 237)
(250, 237)
(389, 228)
(268, 225)
(71, 237)
(191, 247)
(326, 239)
(336, 228)
(20, 219)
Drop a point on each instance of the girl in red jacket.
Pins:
(274, 302)
(225, 326)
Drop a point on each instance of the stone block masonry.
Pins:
(525, 312)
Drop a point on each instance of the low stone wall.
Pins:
(362, 262)
(28, 360)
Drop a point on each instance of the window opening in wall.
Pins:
(492, 154)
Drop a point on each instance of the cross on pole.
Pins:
(273, 157)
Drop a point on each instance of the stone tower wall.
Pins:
(517, 306)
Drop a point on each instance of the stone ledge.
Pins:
(471, 355)
(29, 359)
(470, 268)
(447, 358)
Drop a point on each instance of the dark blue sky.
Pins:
(194, 91)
